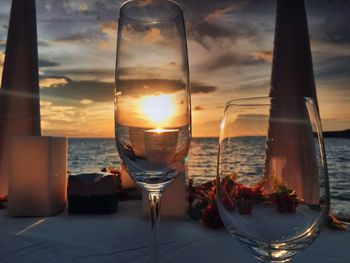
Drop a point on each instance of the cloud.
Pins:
(248, 125)
(207, 128)
(334, 27)
(47, 63)
(83, 7)
(144, 87)
(61, 120)
(165, 71)
(52, 82)
(2, 43)
(152, 36)
(103, 91)
(58, 113)
(76, 91)
(79, 37)
(2, 58)
(233, 31)
(229, 59)
(263, 55)
(86, 102)
(333, 67)
(200, 88)
(198, 108)
(44, 103)
(79, 73)
(109, 28)
(202, 29)
(218, 13)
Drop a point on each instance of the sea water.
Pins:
(94, 154)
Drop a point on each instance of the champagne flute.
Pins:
(272, 181)
(152, 98)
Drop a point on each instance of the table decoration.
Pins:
(38, 176)
(3, 202)
(93, 193)
(128, 189)
(202, 206)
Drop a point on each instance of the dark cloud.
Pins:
(334, 25)
(86, 36)
(200, 88)
(231, 59)
(144, 87)
(258, 88)
(229, 19)
(43, 43)
(79, 90)
(198, 31)
(202, 29)
(47, 63)
(198, 108)
(101, 91)
(332, 67)
(82, 73)
(337, 28)
(2, 44)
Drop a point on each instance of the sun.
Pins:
(157, 109)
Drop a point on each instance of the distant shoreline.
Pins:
(345, 134)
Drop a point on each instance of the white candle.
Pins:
(37, 176)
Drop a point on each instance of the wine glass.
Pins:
(272, 181)
(152, 98)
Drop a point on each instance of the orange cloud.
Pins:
(44, 103)
(83, 7)
(218, 13)
(153, 36)
(109, 28)
(86, 102)
(52, 82)
(2, 60)
(264, 55)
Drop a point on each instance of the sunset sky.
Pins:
(230, 46)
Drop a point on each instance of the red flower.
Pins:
(229, 203)
(211, 217)
(245, 206)
(286, 202)
(3, 200)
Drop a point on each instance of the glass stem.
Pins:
(154, 204)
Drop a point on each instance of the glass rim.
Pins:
(255, 101)
(122, 13)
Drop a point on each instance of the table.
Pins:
(124, 236)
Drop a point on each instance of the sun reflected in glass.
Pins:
(158, 109)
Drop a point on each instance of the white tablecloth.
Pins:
(123, 237)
